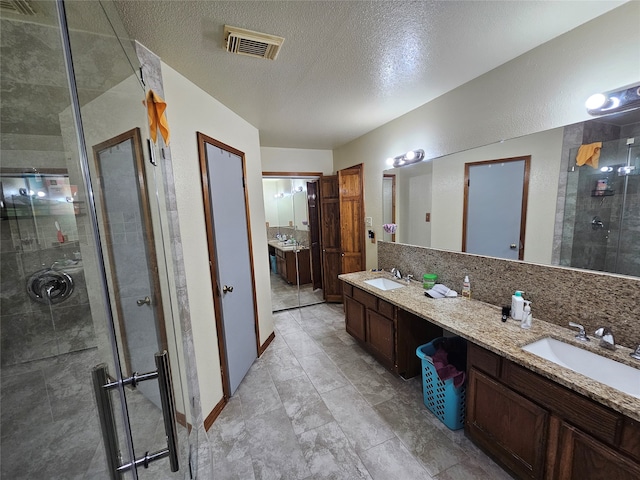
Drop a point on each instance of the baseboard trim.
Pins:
(267, 343)
(214, 414)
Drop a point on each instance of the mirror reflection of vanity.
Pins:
(577, 215)
(294, 274)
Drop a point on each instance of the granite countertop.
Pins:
(286, 247)
(481, 324)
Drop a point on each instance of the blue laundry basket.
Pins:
(443, 399)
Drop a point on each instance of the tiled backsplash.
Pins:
(558, 294)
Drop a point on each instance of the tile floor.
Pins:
(317, 406)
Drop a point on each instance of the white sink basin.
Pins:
(383, 283)
(604, 370)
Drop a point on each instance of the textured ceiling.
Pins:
(346, 67)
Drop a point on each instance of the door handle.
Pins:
(144, 301)
(101, 387)
(513, 246)
(226, 289)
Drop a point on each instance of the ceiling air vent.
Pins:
(254, 44)
(21, 7)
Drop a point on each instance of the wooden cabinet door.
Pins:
(380, 336)
(507, 425)
(351, 188)
(330, 238)
(355, 318)
(582, 457)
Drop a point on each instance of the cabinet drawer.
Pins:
(483, 360)
(368, 300)
(630, 438)
(589, 416)
(386, 308)
(347, 289)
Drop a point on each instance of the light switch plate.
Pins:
(368, 221)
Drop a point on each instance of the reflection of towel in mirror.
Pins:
(157, 119)
(445, 370)
(390, 227)
(589, 154)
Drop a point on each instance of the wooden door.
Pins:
(582, 457)
(230, 258)
(506, 425)
(313, 206)
(330, 239)
(352, 238)
(495, 207)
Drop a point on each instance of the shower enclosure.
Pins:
(602, 210)
(86, 306)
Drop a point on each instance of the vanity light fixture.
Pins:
(622, 100)
(409, 158)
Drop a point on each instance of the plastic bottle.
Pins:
(466, 287)
(517, 305)
(526, 319)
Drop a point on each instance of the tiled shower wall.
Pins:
(30, 330)
(559, 295)
(575, 242)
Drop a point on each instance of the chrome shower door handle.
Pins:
(168, 407)
(102, 384)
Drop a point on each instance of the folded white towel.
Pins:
(441, 291)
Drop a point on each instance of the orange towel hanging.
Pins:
(156, 107)
(589, 154)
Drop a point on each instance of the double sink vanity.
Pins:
(540, 402)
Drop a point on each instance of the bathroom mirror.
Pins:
(569, 221)
(296, 274)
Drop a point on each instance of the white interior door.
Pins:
(494, 208)
(233, 261)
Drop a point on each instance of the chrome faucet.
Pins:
(606, 338)
(396, 273)
(581, 335)
(636, 353)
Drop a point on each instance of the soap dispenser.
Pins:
(517, 305)
(526, 319)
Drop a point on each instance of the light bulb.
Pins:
(595, 101)
(410, 155)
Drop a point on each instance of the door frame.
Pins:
(203, 140)
(136, 140)
(525, 194)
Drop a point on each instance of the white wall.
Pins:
(191, 110)
(542, 89)
(296, 160)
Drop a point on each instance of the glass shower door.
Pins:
(602, 209)
(67, 304)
